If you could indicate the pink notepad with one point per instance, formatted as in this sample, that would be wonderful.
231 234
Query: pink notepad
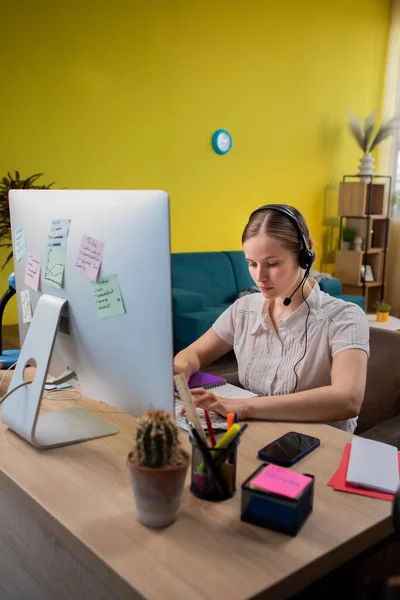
281 481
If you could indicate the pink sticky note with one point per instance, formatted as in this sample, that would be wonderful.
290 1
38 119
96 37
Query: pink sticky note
89 257
32 272
279 480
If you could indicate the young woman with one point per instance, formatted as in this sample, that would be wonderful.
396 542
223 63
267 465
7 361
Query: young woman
303 352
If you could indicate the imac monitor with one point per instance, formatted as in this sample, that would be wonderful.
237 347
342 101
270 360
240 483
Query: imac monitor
124 359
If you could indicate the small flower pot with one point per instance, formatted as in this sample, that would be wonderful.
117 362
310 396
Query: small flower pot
382 317
158 491
346 245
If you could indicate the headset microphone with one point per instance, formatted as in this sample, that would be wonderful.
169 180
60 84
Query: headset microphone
288 300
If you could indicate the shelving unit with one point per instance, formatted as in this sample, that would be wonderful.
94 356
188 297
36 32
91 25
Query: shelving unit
364 205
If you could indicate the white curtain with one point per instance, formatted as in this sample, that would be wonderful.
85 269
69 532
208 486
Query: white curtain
388 156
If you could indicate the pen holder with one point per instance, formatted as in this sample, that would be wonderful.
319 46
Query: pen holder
213 475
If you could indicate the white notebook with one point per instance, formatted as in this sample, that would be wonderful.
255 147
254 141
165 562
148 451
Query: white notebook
218 422
373 465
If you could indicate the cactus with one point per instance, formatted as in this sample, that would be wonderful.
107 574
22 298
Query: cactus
156 442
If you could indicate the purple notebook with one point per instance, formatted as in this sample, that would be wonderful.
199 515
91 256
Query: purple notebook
205 380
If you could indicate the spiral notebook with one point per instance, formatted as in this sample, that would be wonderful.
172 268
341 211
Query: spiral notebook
205 380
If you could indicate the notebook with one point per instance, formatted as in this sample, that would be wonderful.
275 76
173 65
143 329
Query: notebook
218 422
205 380
373 465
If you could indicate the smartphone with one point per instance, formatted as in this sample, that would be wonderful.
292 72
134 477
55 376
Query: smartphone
288 449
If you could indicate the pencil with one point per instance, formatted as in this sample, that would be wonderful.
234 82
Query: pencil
210 428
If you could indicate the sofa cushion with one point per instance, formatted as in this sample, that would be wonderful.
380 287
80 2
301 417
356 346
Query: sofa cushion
184 301
207 273
190 326
240 269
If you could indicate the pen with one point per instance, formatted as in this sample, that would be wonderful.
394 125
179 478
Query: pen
210 428
230 417
235 420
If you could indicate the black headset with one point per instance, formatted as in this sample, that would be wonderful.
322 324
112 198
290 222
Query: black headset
306 257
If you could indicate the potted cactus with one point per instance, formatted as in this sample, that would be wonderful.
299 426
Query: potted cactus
382 312
158 467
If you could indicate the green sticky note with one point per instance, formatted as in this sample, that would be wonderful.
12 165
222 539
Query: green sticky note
107 296
55 265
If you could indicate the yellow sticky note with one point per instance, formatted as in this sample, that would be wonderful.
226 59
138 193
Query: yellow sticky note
107 296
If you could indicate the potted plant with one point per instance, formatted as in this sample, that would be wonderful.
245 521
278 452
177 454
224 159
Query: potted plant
348 236
382 312
13 182
158 467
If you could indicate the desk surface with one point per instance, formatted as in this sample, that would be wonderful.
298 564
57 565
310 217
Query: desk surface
82 495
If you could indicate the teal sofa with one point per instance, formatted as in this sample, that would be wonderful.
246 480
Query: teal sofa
204 284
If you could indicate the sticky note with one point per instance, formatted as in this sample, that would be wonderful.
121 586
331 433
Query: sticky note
279 480
55 265
89 257
58 233
32 272
107 296
26 306
20 243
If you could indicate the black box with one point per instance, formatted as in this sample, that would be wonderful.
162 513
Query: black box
276 512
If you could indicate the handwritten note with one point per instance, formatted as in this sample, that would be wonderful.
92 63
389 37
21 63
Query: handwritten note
279 480
26 306
58 233
20 243
107 296
89 257
55 265
32 272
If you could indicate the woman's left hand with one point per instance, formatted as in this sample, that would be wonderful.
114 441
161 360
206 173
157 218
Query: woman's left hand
206 399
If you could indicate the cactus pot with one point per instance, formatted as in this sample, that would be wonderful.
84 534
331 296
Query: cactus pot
158 491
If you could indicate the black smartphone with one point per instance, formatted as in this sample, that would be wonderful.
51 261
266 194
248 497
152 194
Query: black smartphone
288 449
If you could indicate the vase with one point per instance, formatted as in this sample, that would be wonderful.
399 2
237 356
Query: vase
157 492
366 167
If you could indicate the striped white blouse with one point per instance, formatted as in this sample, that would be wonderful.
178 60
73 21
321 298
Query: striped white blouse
266 360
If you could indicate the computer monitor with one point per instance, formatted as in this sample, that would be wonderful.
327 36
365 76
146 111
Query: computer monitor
124 360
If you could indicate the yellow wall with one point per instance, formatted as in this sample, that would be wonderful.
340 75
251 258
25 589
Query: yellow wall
126 94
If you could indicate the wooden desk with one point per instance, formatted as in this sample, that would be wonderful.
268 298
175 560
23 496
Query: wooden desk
68 528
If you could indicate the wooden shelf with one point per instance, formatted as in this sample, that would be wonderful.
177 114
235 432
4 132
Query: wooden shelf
354 199
371 216
349 264
369 284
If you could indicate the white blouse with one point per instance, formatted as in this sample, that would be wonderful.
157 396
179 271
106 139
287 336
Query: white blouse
266 359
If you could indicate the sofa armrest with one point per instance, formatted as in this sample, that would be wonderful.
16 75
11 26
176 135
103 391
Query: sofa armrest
387 432
184 301
331 286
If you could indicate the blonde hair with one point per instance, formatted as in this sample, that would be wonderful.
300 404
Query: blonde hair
278 225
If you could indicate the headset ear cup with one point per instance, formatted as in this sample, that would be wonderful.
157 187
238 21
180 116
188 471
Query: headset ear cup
306 258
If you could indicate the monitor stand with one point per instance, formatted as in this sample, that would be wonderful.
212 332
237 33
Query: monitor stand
21 410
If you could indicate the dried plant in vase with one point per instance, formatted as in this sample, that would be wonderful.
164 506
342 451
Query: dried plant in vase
158 466
382 311
368 138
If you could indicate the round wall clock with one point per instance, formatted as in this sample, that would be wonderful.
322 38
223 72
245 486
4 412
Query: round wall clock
222 141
